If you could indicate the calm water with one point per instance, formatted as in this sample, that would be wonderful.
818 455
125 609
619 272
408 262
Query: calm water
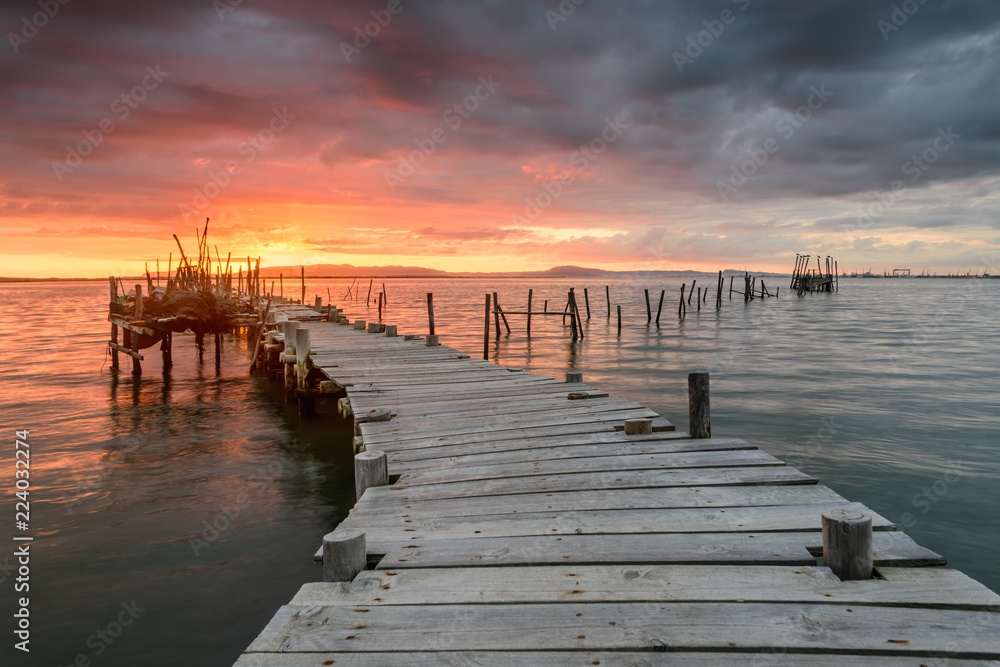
887 391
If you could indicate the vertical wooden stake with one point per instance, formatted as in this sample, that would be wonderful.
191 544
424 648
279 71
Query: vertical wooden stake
385 295
847 543
302 349
691 293
496 314
574 377
369 297
303 301
138 302
370 469
530 291
380 307
607 295
114 352
698 406
572 314
649 312
344 554
486 330
699 299
659 307
586 300
430 313
619 319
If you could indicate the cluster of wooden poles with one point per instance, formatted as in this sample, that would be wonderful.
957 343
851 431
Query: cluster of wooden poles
573 311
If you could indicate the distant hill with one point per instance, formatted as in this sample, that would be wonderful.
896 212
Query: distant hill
349 271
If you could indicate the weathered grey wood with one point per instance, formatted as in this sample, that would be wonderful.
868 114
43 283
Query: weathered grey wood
775 657
638 426
574 376
700 422
392 526
369 470
890 548
622 463
634 626
344 554
378 415
654 497
933 588
360 325
847 543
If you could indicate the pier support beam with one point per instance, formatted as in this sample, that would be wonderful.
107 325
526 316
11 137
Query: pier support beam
344 555
371 468
847 543
700 425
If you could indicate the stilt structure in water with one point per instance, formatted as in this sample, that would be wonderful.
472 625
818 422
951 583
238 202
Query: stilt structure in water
821 278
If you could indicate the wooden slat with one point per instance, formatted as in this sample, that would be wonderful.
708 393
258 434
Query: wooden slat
634 626
935 588
889 548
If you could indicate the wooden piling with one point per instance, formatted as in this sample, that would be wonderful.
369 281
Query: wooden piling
138 302
649 313
572 314
642 426
344 554
718 294
380 307
370 469
730 287
586 300
607 295
486 330
691 293
303 301
847 543
114 343
659 307
574 377
700 425
166 348
699 299
530 291
619 319
369 297
680 306
496 315
385 295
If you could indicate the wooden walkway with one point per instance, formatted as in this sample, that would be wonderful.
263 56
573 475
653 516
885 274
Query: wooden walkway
523 528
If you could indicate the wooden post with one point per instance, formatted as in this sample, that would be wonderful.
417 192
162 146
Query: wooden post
166 347
579 318
385 295
318 304
380 307
496 315
288 328
649 312
390 330
133 344
572 314
114 352
699 299
586 300
691 293
218 349
730 287
847 543
659 307
680 307
302 349
486 330
607 295
370 469
430 313
259 330
619 319
369 297
303 301
496 307
138 302
700 425
344 554
718 296
638 426
574 377
530 291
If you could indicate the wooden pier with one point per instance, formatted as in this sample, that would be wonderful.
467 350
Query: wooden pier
511 519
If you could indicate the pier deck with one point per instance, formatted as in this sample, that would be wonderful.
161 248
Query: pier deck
521 527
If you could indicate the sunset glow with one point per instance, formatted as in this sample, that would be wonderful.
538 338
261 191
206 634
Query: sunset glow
496 136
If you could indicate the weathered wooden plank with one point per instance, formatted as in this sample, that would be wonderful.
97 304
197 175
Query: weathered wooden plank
599 499
890 548
635 626
429 414
935 588
393 526
405 461
777 657
625 479
670 460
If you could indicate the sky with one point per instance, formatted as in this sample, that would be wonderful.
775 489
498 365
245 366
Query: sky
499 135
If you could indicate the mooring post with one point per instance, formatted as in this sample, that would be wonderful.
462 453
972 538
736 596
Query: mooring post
847 543
607 295
344 554
496 314
380 307
659 307
318 306
486 331
698 409
138 302
574 377
586 300
619 319
570 304
303 301
530 291
371 468
114 351
649 312
369 297
430 313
